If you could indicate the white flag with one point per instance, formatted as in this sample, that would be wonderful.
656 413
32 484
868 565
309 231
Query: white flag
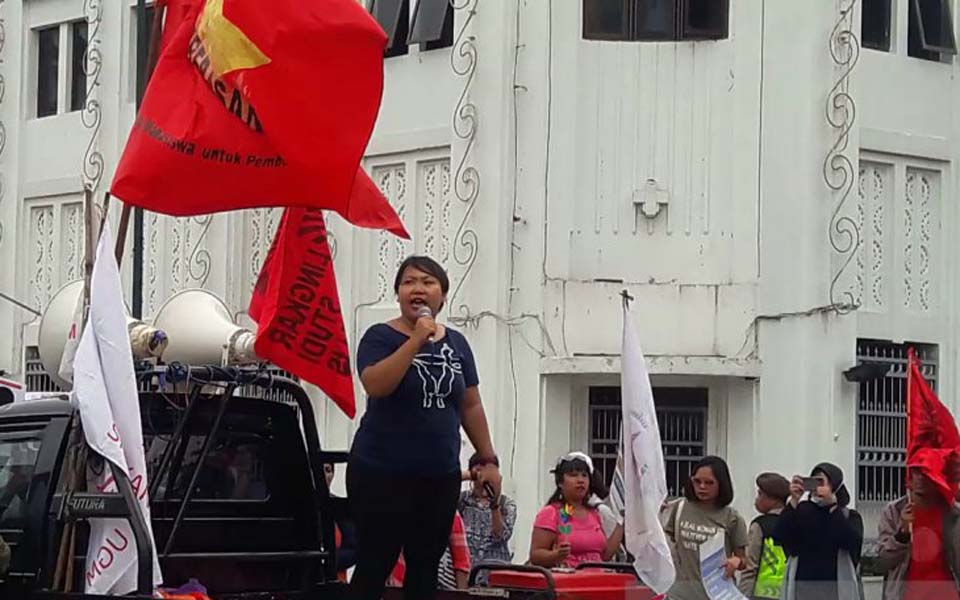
644 475
105 391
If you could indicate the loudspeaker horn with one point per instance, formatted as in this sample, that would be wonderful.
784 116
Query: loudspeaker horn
145 341
202 331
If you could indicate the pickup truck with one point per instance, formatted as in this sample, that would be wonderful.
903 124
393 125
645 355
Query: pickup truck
238 497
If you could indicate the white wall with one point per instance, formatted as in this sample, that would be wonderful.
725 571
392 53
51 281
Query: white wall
556 172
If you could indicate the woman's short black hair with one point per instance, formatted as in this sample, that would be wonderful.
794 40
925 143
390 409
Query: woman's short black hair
425 264
722 474
597 487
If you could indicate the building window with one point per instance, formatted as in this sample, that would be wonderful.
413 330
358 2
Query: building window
78 65
606 20
432 26
882 430
875 24
930 24
704 19
655 20
681 415
394 17
48 70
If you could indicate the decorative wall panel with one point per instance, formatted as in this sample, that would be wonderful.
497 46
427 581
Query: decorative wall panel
53 247
177 256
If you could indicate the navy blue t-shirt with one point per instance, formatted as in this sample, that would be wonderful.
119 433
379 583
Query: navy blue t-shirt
416 429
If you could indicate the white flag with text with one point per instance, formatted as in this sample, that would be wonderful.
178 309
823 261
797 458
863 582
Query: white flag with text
644 474
105 391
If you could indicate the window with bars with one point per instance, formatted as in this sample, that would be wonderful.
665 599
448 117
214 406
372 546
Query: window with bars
882 419
681 415
36 378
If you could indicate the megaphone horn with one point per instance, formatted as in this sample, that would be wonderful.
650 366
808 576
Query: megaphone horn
58 317
202 331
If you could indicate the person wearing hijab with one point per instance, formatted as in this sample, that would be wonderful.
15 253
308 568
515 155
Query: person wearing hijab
822 538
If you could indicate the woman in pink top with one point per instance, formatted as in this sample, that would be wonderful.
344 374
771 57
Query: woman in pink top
567 531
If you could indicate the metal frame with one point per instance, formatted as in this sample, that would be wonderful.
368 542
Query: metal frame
946 19
678 450
252 377
882 419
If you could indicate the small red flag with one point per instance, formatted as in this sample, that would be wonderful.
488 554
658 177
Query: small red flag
257 104
297 308
933 441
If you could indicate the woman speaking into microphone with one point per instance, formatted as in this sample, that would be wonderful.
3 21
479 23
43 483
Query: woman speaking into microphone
403 478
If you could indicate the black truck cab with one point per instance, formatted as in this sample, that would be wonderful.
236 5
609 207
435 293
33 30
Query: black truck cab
237 493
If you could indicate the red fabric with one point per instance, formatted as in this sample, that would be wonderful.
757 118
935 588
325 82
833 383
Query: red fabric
928 577
459 553
297 308
282 122
175 13
338 540
933 441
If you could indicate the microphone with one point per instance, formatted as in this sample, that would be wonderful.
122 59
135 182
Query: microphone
424 311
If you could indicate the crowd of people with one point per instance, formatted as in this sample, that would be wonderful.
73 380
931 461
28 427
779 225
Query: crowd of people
412 525
805 543
404 481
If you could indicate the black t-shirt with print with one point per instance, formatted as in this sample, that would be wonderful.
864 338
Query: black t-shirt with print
416 429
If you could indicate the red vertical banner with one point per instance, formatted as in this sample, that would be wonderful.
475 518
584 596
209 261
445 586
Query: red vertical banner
297 307
933 441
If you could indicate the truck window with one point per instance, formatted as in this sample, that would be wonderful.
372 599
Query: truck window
234 469
18 456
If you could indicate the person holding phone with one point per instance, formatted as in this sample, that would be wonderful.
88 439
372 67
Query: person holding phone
403 476
822 538
568 531
489 519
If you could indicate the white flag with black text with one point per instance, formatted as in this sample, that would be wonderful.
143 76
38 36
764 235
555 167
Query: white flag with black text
644 474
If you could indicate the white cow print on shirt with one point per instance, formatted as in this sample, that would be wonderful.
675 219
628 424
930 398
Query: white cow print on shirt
437 372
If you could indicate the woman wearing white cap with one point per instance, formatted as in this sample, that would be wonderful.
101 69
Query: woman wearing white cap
568 531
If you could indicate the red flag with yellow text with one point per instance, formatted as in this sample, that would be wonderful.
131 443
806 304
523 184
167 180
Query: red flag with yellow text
256 104
297 308
933 442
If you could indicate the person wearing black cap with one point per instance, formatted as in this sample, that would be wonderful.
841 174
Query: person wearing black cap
822 537
766 561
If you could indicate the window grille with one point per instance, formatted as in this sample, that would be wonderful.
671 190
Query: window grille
35 376
681 415
882 419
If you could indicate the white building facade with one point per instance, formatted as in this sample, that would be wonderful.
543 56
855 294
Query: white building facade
770 181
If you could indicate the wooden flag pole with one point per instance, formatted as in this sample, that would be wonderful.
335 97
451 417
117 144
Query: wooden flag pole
76 459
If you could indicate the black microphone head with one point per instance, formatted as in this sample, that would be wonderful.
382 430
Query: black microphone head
424 311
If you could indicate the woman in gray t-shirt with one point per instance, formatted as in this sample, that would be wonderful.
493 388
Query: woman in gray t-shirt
694 519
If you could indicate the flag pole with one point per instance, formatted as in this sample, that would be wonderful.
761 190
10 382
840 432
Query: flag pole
911 360
76 456
147 54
